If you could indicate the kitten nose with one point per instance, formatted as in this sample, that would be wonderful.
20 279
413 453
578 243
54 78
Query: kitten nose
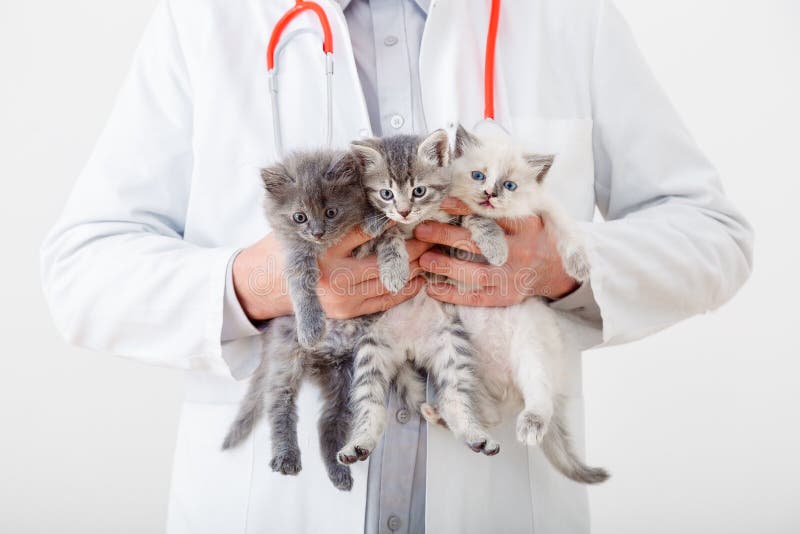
490 193
318 232
404 213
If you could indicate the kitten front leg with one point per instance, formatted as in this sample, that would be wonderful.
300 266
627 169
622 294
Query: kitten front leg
393 260
568 242
489 237
375 366
374 222
303 276
334 423
285 376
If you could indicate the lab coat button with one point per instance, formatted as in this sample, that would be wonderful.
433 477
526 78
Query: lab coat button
390 40
394 523
396 121
403 416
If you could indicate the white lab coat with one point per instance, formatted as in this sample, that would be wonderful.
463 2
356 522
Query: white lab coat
136 264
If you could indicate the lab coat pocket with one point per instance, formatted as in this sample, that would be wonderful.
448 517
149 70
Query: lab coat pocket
571 179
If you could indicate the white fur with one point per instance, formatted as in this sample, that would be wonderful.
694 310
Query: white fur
521 347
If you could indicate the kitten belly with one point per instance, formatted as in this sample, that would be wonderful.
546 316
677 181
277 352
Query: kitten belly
503 336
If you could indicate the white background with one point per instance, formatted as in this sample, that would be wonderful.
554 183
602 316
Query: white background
700 425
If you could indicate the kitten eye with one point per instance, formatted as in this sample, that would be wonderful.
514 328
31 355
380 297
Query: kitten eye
419 191
300 217
478 175
330 213
386 194
510 185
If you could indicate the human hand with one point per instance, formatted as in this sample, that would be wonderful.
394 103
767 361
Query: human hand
348 287
534 266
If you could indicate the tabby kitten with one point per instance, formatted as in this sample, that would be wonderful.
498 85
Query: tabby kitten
521 347
312 200
406 178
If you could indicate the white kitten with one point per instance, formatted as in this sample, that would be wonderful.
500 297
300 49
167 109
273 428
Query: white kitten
521 347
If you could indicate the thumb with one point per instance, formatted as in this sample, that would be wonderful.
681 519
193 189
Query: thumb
351 240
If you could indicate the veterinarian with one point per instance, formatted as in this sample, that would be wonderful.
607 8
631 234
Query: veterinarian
163 254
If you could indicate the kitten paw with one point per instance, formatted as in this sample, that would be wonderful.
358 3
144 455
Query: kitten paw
394 277
576 264
496 251
481 441
286 462
488 447
353 452
341 477
310 331
531 427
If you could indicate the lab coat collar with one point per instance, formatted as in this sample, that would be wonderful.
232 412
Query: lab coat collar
423 4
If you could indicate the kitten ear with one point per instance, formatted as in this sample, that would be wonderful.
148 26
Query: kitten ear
435 149
344 169
275 179
464 139
367 155
540 164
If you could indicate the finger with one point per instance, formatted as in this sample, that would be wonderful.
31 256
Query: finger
454 206
489 297
417 248
375 288
468 272
517 225
350 272
446 234
389 300
351 240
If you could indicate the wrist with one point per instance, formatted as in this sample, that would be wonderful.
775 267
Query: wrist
258 283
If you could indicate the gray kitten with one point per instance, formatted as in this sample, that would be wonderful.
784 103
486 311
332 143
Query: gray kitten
313 199
406 178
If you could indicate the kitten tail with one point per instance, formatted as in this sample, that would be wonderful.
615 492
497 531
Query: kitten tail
250 411
557 447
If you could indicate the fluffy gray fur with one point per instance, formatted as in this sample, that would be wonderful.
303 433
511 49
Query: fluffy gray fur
312 200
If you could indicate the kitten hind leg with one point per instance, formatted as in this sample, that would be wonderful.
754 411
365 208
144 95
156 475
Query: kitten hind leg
375 366
455 379
334 423
284 382
533 382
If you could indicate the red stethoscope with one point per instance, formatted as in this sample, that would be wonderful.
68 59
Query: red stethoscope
276 46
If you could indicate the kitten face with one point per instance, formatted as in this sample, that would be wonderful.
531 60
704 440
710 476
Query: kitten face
405 177
495 178
314 196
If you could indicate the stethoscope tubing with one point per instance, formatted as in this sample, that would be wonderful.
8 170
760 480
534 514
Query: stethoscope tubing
277 46
273 89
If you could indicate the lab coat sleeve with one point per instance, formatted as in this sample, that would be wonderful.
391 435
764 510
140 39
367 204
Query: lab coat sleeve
117 272
671 245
